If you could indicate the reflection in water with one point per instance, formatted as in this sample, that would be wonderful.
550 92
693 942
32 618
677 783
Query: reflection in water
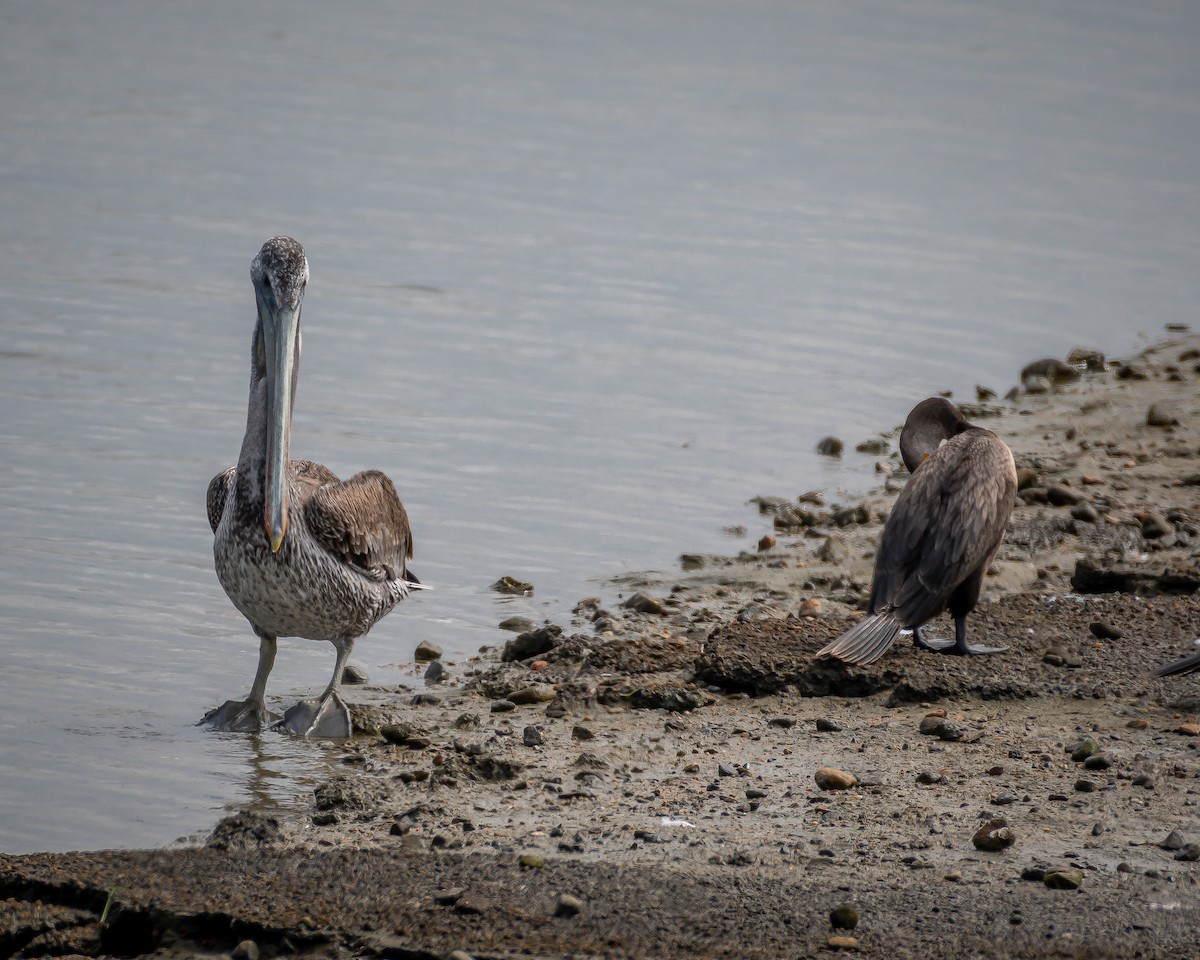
585 279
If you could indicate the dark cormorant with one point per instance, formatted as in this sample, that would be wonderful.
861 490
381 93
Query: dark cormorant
300 552
940 537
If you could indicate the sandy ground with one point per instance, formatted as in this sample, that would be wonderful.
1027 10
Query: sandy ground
643 781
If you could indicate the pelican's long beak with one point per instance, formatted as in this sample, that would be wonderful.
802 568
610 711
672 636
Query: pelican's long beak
281 330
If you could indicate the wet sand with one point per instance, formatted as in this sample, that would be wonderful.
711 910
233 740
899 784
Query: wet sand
643 781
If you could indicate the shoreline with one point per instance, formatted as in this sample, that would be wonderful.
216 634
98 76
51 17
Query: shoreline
642 780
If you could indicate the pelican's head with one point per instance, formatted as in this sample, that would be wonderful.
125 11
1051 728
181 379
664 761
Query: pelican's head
279 273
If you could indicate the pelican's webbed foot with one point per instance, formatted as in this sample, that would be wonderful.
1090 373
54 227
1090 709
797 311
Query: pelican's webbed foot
239 716
326 716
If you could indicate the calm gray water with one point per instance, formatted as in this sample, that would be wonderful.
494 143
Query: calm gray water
585 277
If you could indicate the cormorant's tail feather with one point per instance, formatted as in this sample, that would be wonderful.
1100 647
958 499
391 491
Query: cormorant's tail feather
866 641
1186 665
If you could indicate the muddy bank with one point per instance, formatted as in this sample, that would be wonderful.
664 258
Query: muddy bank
643 781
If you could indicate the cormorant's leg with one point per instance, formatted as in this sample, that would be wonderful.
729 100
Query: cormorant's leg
937 645
249 715
327 715
961 647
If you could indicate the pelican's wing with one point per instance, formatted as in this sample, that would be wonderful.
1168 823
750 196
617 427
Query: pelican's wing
218 492
362 521
944 526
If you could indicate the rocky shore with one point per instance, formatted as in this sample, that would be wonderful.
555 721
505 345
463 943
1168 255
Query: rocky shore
674 775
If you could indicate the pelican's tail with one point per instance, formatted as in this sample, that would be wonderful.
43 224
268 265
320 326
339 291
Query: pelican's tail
866 641
1186 665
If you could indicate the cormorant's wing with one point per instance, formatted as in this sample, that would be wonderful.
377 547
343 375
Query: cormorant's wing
944 525
218 492
1186 665
362 521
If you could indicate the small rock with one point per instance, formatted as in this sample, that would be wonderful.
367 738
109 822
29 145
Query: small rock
427 651
1104 631
785 723
532 643
246 950
1060 496
1160 416
1173 841
517 624
953 876
842 943
568 906
1052 370
994 835
1190 729
1086 512
1138 723
1155 527
941 728
1144 781
830 447
1097 761
830 779
531 861
829 725
725 770
435 672
1132 371
1092 359
832 550
1026 478
513 587
353 674
534 693
580 732
1034 874
503 706
810 608
765 543
644 603
876 447
532 736
448 898
1083 749
1190 853
1063 879
844 917
1084 786
984 394
929 778
1035 384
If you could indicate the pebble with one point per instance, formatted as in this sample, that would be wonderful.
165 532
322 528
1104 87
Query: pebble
1034 874
531 861
580 732
765 542
513 587
830 779
1155 527
568 906
435 672
1084 786
1085 512
1063 879
1138 723
828 725
842 943
1060 496
785 723
844 917
929 778
1190 853
1173 841
517 624
810 607
725 770
427 651
1026 477
644 603
534 693
1092 359
1035 384
1188 729
1097 761
1104 631
994 835
1083 749
1144 781
503 706
532 736
1051 369
830 447
941 728
876 447
1160 416
832 550
354 674
246 950
532 643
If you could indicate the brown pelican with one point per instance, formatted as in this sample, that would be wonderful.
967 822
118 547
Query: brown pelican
940 537
300 552
1186 665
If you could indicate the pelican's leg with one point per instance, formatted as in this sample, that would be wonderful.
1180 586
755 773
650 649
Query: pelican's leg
327 715
249 715
961 647
937 645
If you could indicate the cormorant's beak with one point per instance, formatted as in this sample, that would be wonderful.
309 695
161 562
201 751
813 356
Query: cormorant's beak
281 334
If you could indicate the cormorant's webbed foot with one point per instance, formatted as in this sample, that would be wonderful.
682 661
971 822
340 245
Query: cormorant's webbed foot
326 716
239 716
937 645
958 646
